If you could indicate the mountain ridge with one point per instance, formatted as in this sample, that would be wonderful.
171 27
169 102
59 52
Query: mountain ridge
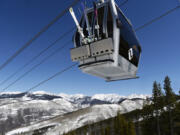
29 108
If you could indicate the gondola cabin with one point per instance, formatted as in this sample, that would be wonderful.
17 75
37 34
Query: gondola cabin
105 44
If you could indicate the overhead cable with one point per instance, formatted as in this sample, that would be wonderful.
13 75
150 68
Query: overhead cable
42 82
53 76
37 56
27 44
157 18
35 66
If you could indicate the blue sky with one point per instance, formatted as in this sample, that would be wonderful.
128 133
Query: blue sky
21 19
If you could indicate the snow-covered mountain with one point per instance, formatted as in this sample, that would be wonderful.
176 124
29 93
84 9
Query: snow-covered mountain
73 120
19 109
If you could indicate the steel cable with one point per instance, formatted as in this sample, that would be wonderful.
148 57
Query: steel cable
37 35
37 56
157 18
35 66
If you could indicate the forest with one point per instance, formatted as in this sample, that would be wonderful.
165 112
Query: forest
160 115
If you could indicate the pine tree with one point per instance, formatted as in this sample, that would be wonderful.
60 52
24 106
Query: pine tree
157 95
137 116
117 123
170 100
169 94
107 130
102 131
123 126
131 128
161 103
85 130
147 111
177 118
148 119
155 92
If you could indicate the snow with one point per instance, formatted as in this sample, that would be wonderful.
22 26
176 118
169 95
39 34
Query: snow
72 98
129 105
138 96
55 107
26 129
10 93
24 98
90 115
67 105
113 98
41 93
81 117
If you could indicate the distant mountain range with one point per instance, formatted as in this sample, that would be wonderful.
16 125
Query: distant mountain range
27 112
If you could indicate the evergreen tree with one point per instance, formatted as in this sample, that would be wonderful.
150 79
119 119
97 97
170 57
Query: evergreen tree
147 111
155 92
131 129
117 124
169 94
136 114
157 104
102 131
161 103
170 100
123 126
107 130
177 118
85 130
